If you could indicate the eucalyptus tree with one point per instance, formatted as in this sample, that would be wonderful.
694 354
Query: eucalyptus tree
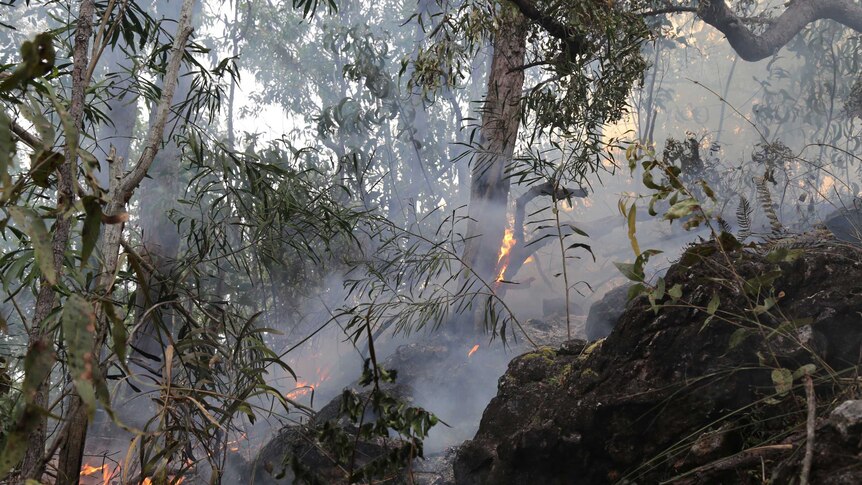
83 267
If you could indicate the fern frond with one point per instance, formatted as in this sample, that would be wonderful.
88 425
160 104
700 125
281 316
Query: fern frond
765 200
743 218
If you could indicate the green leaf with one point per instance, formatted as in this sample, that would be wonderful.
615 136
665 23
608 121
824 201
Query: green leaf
681 209
782 255
754 285
767 304
90 231
79 328
805 370
34 227
635 290
632 219
44 163
119 334
14 444
69 129
659 289
739 336
713 304
7 149
728 242
629 271
675 292
783 380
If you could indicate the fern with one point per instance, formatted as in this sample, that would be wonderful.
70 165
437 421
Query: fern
743 218
765 200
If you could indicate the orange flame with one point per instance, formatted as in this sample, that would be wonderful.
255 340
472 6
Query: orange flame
149 481
506 247
304 387
108 474
234 445
91 470
473 350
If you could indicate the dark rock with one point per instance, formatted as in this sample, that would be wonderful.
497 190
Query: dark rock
436 374
435 469
847 419
557 306
272 464
605 313
674 397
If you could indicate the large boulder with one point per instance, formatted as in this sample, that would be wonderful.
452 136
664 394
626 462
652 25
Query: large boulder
605 313
692 393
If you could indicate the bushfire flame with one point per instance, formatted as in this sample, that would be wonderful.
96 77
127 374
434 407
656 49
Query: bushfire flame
304 387
235 444
108 474
473 350
91 470
505 250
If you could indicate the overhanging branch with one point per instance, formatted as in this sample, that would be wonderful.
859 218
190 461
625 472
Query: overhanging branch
575 41
754 47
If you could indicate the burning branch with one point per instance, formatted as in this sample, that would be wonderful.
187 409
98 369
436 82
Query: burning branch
515 251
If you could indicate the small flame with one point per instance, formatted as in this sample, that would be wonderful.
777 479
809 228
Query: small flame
304 387
234 445
506 247
108 474
473 350
91 470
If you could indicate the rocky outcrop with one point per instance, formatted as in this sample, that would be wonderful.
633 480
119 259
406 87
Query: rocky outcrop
695 392
605 313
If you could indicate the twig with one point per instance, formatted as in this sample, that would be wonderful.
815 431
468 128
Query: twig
809 431
744 457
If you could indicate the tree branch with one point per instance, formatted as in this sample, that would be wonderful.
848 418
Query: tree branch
156 133
28 138
575 41
753 47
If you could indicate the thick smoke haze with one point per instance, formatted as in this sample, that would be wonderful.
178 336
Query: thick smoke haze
314 180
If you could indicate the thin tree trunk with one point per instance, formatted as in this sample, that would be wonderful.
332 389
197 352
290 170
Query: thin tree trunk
122 189
34 463
489 185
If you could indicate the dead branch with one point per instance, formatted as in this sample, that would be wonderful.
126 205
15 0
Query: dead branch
743 458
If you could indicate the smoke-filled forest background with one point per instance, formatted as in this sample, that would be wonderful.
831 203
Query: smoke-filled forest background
217 215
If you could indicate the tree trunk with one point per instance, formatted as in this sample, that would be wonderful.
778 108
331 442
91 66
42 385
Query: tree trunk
122 187
489 185
160 240
34 464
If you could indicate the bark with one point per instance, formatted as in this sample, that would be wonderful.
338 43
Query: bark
34 464
121 190
754 47
750 46
160 242
489 185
